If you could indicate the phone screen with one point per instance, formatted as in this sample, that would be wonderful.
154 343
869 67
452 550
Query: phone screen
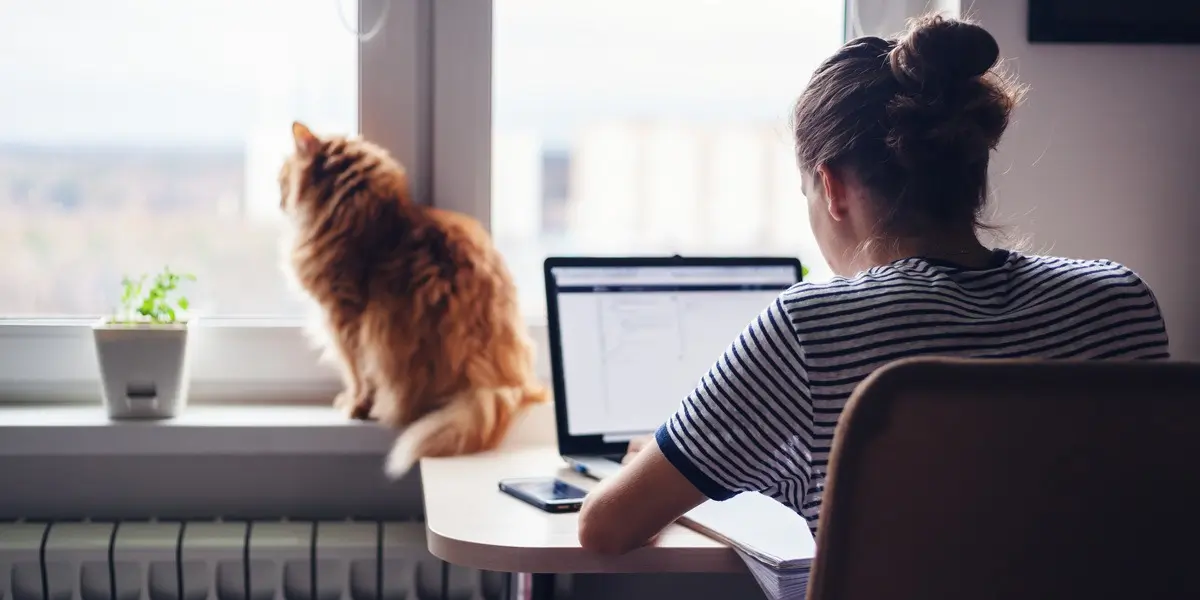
550 490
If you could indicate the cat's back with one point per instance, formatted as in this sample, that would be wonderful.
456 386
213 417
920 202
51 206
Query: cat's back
461 231
467 244
453 257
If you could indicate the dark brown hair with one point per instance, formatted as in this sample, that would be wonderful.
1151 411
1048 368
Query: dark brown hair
913 119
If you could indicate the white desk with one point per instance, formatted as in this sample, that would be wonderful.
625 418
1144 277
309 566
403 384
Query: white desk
472 523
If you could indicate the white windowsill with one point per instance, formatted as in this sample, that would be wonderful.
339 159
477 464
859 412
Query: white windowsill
76 430
47 430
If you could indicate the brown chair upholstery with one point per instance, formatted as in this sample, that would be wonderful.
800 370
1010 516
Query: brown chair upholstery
961 479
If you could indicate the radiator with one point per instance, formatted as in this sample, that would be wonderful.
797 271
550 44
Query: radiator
215 560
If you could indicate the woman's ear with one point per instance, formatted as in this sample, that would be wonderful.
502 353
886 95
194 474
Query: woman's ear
834 188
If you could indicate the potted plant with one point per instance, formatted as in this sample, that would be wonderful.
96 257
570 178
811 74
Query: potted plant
142 350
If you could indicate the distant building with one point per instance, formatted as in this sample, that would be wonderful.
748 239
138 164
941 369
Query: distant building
604 185
266 147
517 202
556 190
652 186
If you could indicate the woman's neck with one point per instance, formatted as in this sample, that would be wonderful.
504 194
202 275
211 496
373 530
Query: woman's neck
961 249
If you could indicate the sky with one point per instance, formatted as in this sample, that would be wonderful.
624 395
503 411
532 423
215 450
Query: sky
206 72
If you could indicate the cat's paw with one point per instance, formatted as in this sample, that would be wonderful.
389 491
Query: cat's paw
355 406
361 411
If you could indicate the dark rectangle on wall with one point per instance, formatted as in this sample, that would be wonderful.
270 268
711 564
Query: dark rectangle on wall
1114 21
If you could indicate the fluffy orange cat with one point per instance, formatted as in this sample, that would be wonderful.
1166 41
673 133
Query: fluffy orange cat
416 305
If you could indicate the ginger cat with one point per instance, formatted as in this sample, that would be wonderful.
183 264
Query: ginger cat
417 307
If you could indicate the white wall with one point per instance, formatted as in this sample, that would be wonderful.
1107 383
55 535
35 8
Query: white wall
1103 160
885 18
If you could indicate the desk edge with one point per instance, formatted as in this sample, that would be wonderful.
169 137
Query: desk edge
510 559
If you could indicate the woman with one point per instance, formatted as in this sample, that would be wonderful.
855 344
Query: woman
892 139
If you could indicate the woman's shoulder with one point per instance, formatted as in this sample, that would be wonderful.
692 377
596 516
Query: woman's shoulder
863 293
917 278
1101 272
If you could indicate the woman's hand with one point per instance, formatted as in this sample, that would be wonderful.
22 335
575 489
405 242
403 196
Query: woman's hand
635 446
633 506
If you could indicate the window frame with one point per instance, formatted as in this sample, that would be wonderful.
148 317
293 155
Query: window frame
425 54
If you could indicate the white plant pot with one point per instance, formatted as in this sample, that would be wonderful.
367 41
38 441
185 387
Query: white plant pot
143 369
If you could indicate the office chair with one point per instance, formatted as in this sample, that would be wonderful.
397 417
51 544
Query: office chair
961 479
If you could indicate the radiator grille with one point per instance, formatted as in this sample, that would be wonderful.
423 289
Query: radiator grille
214 560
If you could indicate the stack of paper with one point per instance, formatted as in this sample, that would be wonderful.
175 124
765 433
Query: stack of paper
775 542
778 582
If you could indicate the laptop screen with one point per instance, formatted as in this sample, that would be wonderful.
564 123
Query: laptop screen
635 340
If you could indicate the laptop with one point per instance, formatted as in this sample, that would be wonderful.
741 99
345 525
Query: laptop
631 337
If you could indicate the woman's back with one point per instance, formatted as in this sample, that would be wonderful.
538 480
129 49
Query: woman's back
775 397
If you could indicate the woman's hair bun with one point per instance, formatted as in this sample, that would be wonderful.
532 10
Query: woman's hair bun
950 102
938 52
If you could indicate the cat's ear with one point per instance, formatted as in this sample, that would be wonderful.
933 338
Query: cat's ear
306 143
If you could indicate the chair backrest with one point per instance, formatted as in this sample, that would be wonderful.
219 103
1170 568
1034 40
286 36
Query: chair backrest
961 479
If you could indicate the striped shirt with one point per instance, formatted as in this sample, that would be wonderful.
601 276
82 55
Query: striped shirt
762 419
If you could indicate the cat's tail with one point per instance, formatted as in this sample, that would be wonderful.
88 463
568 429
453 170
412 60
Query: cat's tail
471 422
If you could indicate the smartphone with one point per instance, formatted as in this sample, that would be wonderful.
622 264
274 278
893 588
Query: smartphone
547 493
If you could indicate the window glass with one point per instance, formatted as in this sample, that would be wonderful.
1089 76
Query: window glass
136 134
651 127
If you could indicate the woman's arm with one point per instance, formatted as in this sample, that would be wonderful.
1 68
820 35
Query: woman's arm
636 445
631 508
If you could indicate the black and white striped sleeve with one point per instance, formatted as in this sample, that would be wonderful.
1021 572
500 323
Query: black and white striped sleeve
748 424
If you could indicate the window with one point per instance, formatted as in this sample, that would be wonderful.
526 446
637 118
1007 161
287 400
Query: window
627 126
136 134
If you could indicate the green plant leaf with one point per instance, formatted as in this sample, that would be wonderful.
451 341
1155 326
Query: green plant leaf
149 298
